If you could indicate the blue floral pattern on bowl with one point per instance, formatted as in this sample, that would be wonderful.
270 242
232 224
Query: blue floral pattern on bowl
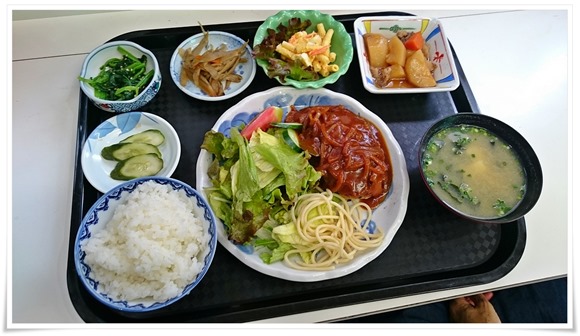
124 123
239 120
103 208
284 100
387 217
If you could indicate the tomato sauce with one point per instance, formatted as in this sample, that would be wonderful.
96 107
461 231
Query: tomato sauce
348 150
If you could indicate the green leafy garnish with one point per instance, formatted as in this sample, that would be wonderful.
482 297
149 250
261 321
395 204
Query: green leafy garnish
434 146
460 193
291 69
501 206
460 143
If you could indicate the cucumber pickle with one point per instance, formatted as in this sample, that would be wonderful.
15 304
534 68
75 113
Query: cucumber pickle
137 166
137 155
123 151
152 136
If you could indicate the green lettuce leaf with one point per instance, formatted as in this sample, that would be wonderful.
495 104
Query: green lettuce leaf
213 143
267 172
248 218
292 164
276 254
245 177
290 69
287 234
253 184
220 204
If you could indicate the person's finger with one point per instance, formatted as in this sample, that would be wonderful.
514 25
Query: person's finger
478 300
461 303
473 309
485 309
488 295
459 310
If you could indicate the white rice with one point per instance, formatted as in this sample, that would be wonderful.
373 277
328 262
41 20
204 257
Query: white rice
152 247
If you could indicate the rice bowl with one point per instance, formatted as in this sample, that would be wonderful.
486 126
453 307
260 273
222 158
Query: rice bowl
155 246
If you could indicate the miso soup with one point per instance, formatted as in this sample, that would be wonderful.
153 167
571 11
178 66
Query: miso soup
474 171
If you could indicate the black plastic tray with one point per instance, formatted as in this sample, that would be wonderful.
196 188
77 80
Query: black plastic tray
433 249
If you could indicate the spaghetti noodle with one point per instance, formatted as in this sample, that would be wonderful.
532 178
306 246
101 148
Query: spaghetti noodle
332 231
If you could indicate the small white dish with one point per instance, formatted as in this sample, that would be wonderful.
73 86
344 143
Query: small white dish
97 170
445 74
388 215
247 69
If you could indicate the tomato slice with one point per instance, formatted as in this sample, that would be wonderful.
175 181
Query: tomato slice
262 121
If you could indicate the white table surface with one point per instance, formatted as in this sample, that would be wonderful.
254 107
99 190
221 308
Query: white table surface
516 63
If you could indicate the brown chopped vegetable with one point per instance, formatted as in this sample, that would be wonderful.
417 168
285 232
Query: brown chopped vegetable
213 70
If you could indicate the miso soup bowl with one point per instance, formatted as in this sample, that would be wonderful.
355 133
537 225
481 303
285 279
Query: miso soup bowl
521 148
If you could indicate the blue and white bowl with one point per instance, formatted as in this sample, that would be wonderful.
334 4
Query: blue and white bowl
388 216
440 52
216 38
98 57
102 212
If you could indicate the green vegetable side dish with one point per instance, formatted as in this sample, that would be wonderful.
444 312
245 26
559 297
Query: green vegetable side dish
121 78
137 155
473 171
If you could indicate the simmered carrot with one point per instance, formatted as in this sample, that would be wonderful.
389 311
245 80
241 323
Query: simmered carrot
415 42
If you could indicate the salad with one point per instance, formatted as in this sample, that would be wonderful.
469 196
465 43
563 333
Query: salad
291 52
302 191
256 174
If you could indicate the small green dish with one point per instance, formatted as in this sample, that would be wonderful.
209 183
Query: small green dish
341 43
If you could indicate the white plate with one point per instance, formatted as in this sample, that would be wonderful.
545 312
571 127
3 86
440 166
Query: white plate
247 70
388 215
97 170
440 53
